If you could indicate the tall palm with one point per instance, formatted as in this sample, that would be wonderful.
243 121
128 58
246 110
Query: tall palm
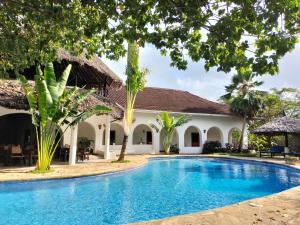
168 125
243 98
135 82
52 105
241 84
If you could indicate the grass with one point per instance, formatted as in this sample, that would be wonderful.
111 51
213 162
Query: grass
123 161
242 154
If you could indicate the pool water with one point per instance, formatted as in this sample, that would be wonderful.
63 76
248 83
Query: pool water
162 188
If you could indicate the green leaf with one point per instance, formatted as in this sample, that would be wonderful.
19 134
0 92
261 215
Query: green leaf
90 112
62 81
44 99
50 79
28 92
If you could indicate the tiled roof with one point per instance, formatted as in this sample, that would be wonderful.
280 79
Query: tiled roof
162 99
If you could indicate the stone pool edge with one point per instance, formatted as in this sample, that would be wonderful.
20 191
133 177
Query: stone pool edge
278 208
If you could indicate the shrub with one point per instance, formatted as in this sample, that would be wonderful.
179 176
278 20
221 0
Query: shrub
211 147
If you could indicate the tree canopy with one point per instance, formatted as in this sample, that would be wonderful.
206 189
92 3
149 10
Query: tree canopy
225 34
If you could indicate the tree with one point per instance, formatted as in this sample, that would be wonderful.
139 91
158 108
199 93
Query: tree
168 125
243 98
225 34
31 32
53 106
135 82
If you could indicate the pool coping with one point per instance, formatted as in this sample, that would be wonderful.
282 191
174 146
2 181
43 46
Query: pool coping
168 220
177 220
147 159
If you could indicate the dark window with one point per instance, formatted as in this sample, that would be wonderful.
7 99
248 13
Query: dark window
112 138
149 138
195 139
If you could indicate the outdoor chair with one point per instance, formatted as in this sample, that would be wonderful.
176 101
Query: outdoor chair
16 154
31 154
275 150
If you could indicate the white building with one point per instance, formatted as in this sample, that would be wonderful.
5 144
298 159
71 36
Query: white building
209 121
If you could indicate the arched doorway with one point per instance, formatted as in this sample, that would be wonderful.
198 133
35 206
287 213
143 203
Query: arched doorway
17 128
116 134
142 134
86 135
175 142
234 137
192 137
215 134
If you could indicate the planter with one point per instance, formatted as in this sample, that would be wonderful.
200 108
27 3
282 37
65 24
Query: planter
291 160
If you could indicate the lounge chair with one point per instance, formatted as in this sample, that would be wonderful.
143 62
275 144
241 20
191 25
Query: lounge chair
275 150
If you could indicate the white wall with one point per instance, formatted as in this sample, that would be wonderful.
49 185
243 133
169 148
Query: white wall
201 122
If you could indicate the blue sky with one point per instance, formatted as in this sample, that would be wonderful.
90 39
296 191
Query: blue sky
196 80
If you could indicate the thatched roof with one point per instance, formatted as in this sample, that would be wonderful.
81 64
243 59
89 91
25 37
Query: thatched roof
85 72
91 70
13 97
279 126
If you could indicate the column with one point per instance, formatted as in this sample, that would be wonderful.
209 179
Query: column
203 138
107 138
73 145
245 138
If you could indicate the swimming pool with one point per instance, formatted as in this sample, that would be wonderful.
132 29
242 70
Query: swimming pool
162 188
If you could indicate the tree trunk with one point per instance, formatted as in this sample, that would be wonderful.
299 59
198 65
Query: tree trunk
242 134
123 149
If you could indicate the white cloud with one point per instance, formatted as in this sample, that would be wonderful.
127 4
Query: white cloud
196 80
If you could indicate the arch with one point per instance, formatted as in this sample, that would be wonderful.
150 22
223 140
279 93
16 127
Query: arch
18 129
192 137
142 134
116 134
86 131
175 141
234 136
215 134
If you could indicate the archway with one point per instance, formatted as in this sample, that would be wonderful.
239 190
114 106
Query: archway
142 134
116 134
86 135
175 142
192 137
234 137
17 128
215 134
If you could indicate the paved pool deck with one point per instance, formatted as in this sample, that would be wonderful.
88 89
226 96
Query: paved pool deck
278 209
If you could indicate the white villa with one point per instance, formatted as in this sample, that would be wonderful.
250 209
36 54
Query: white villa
209 121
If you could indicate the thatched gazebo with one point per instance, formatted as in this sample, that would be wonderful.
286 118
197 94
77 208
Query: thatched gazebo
281 126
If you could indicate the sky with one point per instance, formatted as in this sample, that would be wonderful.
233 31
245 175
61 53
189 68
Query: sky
195 79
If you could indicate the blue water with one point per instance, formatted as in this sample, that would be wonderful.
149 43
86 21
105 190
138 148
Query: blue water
162 188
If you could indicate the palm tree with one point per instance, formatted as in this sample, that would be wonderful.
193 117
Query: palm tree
135 82
243 98
52 105
168 125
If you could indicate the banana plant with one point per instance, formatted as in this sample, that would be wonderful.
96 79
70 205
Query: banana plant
135 82
53 106
168 125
